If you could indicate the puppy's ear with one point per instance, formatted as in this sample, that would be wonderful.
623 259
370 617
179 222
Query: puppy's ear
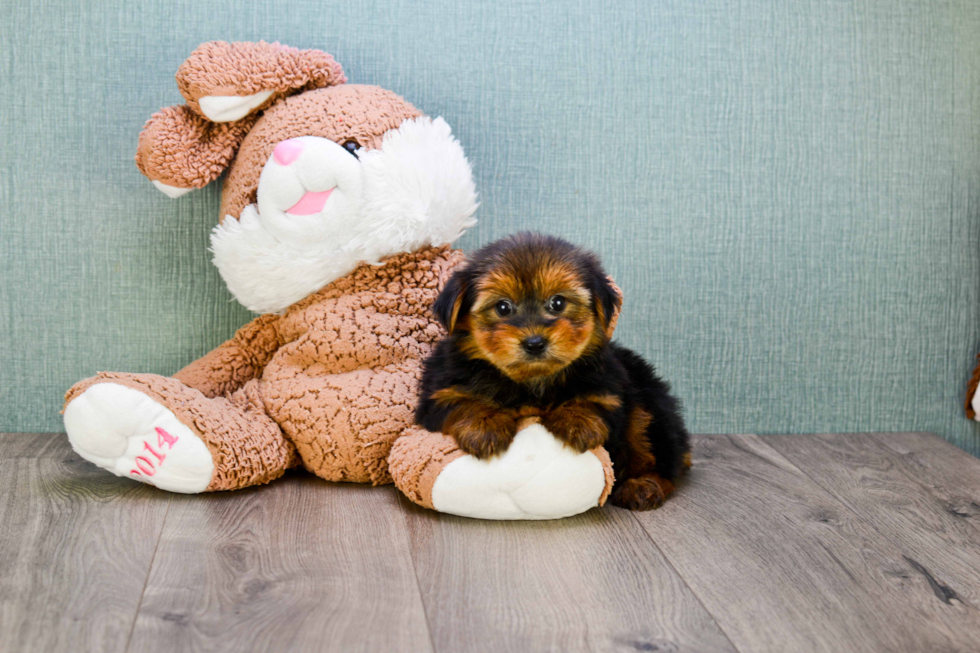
607 300
449 305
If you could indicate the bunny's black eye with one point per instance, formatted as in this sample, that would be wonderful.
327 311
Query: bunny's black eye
503 308
351 146
556 304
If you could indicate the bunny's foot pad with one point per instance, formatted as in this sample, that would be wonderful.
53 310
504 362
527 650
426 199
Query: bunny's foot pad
126 432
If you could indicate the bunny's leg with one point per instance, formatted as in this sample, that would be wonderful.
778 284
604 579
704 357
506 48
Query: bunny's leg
344 424
159 431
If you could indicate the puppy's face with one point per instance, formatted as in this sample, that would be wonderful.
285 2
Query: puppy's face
531 307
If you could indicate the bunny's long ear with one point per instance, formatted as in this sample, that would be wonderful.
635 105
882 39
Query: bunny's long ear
226 85
224 82
180 151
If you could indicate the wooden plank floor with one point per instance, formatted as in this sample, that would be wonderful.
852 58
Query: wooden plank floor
867 542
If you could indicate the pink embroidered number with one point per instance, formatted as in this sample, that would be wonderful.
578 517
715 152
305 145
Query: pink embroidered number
147 466
164 438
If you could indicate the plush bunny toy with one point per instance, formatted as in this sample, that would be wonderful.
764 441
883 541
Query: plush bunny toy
337 212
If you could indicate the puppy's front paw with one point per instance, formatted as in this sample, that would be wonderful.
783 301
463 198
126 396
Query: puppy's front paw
578 425
481 432
486 444
642 493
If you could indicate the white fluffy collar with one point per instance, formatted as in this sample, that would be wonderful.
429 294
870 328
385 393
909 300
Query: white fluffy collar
417 190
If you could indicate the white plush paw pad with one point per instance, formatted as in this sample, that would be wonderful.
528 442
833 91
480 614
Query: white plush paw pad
228 108
171 191
129 434
536 478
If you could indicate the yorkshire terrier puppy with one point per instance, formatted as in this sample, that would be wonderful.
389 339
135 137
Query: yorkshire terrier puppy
528 319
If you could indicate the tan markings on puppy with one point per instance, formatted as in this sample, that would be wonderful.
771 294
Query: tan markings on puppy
642 493
454 316
609 402
462 323
500 343
641 461
600 313
557 278
526 412
600 332
637 432
579 423
570 335
469 346
498 283
481 426
686 460
446 396
481 430
454 394
600 336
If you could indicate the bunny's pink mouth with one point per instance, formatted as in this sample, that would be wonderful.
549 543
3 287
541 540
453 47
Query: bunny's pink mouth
310 203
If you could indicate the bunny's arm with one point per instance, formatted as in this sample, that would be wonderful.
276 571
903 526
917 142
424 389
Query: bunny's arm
237 361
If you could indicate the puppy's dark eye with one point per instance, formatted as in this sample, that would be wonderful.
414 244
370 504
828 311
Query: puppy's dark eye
503 308
556 304
351 146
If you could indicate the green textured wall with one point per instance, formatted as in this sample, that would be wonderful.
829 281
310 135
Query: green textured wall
787 191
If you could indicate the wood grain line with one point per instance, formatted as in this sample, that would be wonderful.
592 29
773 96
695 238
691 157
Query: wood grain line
947 472
146 580
300 564
590 582
33 446
783 565
691 589
75 547
876 485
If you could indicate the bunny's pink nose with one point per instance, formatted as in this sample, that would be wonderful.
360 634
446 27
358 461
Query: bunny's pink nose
287 151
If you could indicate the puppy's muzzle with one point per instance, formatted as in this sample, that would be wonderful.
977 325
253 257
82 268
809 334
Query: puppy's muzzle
534 345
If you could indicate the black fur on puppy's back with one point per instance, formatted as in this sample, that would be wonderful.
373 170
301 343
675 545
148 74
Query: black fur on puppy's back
668 437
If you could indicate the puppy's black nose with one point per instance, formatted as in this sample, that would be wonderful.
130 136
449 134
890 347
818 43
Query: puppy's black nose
534 345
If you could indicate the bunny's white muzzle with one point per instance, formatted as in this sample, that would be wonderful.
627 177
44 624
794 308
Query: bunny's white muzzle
322 211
